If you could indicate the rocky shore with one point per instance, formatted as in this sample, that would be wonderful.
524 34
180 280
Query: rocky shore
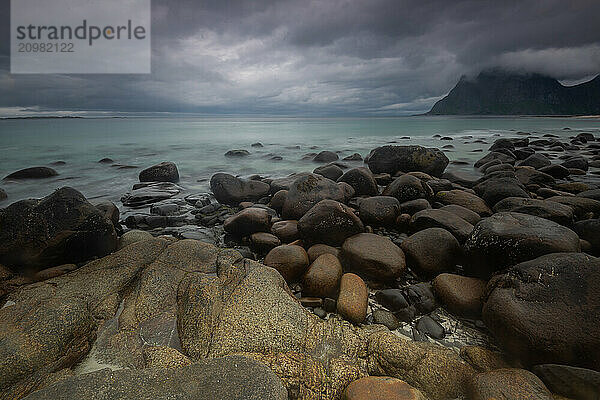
382 278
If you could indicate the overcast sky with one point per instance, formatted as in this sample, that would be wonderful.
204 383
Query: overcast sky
320 57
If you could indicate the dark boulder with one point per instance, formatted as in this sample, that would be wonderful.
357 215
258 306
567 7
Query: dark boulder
61 228
536 161
163 172
431 251
237 153
379 210
32 173
392 159
507 238
556 171
581 205
577 162
326 156
329 222
406 188
546 310
589 229
248 221
307 191
551 210
329 171
231 190
571 382
361 180
496 189
494 155
435 218
373 257
464 199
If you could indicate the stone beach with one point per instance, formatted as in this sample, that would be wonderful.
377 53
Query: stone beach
375 276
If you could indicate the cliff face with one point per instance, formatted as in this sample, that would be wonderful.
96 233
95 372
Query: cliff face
502 93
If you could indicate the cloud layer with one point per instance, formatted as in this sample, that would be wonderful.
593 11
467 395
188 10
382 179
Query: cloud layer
322 57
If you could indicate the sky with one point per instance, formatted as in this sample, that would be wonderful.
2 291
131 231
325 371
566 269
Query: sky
318 57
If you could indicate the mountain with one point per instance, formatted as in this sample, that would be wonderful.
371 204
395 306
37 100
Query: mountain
495 92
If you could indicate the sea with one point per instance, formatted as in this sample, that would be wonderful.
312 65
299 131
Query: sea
73 146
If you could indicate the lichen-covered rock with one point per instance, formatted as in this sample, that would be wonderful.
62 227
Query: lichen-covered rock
391 159
361 180
379 210
407 187
289 260
307 191
381 388
163 172
329 222
508 384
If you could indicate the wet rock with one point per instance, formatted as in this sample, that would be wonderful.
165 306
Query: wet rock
326 156
571 382
379 210
231 377
163 172
593 194
147 194
231 190
507 238
3 195
329 171
494 155
406 188
353 157
307 191
577 162
430 327
509 384
329 222
263 242
483 359
461 295
286 231
353 298
589 229
257 144
556 171
462 212
392 299
553 211
386 319
248 221
414 206
32 173
361 180
435 218
381 388
464 199
322 277
110 211
495 189
543 310
431 251
237 153
373 257
581 205
315 251
106 160
290 261
574 187
529 176
61 228
391 159
536 161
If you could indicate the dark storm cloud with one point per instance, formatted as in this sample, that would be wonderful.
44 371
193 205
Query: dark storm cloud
380 57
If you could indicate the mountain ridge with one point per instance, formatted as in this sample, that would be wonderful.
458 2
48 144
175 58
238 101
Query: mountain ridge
496 92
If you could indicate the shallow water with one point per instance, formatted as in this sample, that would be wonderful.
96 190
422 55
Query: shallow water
198 145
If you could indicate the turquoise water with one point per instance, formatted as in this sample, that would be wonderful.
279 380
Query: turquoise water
197 145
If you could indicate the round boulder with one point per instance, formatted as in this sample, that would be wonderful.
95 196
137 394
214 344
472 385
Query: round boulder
507 238
248 221
509 384
464 199
381 388
286 231
290 261
431 251
361 180
317 250
163 172
353 298
329 222
379 210
391 159
461 295
373 257
406 188
307 191
231 190
32 173
322 278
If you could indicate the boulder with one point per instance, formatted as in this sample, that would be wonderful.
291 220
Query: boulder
61 228
545 310
237 153
322 278
571 382
373 257
462 212
381 388
414 206
329 171
580 205
431 251
392 159
247 309
529 176
508 384
353 298
495 189
231 190
317 250
589 229
494 155
353 157
286 231
326 156
290 261
278 199
3 195
329 222
435 218
32 173
392 299
507 238
230 378
110 211
361 180
248 221
144 194
262 242
133 236
163 172
556 171
307 191
559 213
379 210
406 188
464 199
536 161
460 295
577 162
